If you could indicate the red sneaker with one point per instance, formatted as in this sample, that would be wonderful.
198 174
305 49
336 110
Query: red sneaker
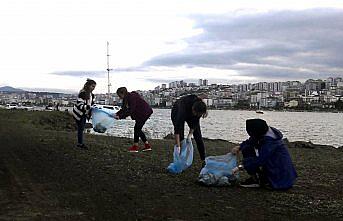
133 149
147 147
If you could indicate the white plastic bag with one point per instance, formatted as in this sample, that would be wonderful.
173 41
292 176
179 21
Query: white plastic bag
102 120
183 160
218 170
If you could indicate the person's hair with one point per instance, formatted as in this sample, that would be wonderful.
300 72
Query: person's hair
88 83
200 108
122 90
85 91
256 128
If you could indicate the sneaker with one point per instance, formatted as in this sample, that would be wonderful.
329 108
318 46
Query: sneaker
133 149
82 146
147 147
250 183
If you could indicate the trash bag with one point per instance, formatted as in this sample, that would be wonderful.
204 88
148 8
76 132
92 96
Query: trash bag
102 120
184 160
218 171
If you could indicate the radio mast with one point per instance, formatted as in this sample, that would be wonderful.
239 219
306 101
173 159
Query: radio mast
108 75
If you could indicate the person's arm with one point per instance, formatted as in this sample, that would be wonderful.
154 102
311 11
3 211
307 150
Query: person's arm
189 136
235 150
265 152
195 122
237 168
177 142
180 120
179 123
123 112
81 103
133 104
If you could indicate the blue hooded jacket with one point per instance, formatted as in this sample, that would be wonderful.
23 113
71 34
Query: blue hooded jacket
273 157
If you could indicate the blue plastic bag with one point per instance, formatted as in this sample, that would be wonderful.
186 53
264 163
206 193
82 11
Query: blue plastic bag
183 160
218 170
102 120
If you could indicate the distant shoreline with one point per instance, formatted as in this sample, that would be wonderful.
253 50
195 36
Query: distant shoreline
274 110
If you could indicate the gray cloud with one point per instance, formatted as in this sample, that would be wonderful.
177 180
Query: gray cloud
279 45
81 73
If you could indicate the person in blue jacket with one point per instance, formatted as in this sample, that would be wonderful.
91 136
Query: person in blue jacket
265 157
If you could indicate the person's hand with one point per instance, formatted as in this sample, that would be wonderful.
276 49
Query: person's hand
178 149
189 136
235 170
235 150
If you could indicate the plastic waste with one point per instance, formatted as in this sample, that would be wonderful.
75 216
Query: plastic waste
218 171
182 160
102 120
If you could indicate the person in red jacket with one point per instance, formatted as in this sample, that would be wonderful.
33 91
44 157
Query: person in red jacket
140 111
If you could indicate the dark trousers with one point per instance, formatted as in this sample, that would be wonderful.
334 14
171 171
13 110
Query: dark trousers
138 133
196 134
80 128
249 152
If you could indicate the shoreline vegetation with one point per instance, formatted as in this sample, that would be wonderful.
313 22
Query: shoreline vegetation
44 177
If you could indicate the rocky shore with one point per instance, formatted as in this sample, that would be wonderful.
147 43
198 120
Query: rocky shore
44 177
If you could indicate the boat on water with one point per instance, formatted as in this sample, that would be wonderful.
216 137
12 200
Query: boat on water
259 112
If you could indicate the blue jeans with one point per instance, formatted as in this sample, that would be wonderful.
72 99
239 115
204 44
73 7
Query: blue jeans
80 128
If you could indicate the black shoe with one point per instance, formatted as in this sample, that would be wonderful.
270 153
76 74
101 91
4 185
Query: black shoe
82 146
250 183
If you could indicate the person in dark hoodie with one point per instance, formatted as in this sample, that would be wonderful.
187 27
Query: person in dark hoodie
189 109
140 111
82 110
265 157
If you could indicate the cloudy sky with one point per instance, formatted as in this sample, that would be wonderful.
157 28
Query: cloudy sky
56 45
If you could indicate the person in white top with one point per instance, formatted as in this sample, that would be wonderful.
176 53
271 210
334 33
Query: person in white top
82 108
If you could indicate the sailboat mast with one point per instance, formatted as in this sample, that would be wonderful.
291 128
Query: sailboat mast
108 75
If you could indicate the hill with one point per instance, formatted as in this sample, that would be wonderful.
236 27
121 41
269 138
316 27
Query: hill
10 89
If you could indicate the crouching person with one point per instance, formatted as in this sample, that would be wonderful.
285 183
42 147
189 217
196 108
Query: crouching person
265 157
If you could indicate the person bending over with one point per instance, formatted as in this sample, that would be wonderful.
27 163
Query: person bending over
140 111
189 109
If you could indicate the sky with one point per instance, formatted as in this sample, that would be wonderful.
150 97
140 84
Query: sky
55 45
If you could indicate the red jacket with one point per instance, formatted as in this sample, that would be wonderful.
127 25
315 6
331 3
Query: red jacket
136 107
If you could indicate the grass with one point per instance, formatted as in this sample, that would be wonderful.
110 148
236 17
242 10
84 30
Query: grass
44 177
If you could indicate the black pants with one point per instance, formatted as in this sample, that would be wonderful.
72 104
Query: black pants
80 128
138 133
196 134
249 152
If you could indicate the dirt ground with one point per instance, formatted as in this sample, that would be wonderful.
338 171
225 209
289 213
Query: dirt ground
44 177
